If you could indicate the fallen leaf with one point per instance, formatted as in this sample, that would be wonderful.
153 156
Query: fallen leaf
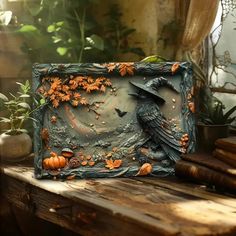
110 164
70 177
145 169
108 83
111 67
83 101
126 68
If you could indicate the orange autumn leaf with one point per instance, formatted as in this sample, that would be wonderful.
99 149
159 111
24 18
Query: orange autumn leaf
98 81
56 82
90 80
52 97
70 89
108 83
175 67
103 89
65 97
91 87
126 68
111 67
75 103
110 164
70 177
101 79
50 91
73 84
83 101
76 96
55 103
65 88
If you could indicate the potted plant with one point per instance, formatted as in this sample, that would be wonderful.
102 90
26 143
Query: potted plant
213 122
15 143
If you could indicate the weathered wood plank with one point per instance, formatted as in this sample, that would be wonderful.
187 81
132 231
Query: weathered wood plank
80 217
192 189
141 206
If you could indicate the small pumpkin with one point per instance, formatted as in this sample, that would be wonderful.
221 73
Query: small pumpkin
54 162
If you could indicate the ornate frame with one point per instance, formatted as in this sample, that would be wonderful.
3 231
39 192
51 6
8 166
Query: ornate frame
143 69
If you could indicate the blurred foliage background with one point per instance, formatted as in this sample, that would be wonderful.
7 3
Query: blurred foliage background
68 31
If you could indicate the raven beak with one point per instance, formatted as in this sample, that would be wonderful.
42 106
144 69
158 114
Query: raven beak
133 95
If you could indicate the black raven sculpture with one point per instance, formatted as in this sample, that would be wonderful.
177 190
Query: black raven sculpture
172 141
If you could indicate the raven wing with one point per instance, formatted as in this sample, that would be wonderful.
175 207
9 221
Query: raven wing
159 128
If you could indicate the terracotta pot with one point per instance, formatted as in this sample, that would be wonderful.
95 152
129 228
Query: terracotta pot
208 134
15 147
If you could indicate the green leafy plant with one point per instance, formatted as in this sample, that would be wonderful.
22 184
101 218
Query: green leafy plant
117 33
68 31
18 108
212 112
64 28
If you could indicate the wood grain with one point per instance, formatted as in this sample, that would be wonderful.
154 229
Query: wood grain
228 144
139 206
211 162
225 156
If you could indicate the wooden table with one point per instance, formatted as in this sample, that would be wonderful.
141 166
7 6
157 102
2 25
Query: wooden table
138 206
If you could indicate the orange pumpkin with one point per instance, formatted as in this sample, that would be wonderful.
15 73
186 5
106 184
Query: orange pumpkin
54 162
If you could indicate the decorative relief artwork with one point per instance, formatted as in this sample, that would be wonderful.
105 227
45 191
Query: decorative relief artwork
113 119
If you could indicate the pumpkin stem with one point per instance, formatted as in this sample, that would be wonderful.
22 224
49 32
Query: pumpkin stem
53 154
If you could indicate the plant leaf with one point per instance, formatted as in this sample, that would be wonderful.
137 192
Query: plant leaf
31 118
229 112
230 120
62 51
22 130
3 97
5 120
51 28
96 42
27 29
24 96
24 105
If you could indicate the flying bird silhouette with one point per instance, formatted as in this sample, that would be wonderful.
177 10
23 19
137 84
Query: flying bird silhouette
120 113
